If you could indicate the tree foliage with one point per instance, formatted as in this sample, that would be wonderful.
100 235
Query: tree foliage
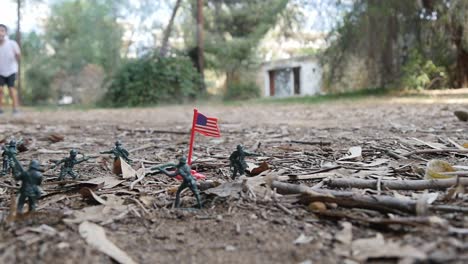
392 38
233 30
82 32
149 81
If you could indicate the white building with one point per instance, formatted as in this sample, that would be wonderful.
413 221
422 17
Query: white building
288 77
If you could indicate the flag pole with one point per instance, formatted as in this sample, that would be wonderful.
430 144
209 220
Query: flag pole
192 136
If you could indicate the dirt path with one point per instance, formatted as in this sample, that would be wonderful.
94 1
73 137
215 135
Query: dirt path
141 222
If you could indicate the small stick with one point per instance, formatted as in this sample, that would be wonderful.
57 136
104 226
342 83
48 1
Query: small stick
311 142
395 184
425 151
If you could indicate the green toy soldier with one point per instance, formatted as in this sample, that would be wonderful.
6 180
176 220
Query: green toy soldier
237 161
118 151
30 180
68 164
8 153
182 169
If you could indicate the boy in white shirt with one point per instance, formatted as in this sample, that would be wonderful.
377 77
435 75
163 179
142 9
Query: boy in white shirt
9 57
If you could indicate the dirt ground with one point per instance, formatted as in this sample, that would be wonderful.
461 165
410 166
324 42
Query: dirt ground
292 139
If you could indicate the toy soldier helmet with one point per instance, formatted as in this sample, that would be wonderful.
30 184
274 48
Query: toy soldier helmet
12 143
239 147
73 152
118 143
183 160
34 165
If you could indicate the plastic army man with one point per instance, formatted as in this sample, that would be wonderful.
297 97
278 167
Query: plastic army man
30 181
237 161
8 153
118 151
182 169
68 164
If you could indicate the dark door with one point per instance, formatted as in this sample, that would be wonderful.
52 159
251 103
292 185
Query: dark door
297 80
272 82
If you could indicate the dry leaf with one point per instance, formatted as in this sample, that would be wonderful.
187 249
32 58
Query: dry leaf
108 182
127 171
117 167
302 239
146 199
226 189
54 137
263 167
96 237
353 153
141 173
377 247
345 235
89 194
435 170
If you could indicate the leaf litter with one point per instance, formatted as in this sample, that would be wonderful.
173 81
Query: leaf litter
330 176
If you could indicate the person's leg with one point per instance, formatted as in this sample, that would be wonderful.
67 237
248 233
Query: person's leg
2 83
14 97
13 92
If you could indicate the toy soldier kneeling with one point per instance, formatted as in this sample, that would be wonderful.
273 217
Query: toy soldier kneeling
118 151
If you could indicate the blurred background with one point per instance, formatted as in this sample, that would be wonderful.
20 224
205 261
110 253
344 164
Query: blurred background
138 53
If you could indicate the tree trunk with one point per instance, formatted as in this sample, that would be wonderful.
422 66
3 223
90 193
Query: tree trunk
200 44
167 32
388 55
18 40
232 77
461 74
462 68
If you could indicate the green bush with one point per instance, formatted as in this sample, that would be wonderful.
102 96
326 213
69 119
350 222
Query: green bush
422 74
242 91
37 86
149 81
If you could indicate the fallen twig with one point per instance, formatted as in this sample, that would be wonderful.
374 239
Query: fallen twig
322 143
406 221
425 151
395 184
381 203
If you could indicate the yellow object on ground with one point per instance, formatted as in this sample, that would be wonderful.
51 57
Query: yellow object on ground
435 170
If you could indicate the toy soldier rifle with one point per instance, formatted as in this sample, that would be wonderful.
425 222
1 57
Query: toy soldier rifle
157 169
19 167
58 162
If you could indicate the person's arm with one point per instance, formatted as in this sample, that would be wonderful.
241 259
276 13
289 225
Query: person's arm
17 51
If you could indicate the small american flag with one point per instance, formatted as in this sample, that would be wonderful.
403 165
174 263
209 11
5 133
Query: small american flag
207 126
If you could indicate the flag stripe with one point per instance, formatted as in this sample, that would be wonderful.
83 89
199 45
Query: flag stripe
206 131
207 126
